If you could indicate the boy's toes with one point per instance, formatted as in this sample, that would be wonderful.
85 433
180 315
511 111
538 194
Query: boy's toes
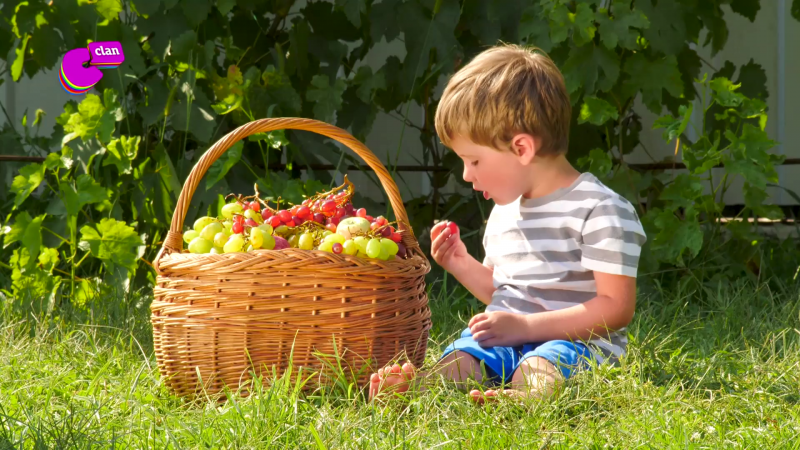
483 397
391 378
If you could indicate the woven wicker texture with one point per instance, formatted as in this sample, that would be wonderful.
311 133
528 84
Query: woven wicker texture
218 317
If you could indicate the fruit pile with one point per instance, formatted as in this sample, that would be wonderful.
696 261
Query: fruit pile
327 221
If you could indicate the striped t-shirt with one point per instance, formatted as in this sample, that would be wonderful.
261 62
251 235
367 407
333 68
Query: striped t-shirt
544 251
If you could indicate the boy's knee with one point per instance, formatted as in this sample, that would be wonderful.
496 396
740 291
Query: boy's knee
537 373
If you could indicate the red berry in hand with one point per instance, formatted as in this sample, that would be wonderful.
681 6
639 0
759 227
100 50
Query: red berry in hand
304 212
251 223
362 212
237 227
319 218
453 228
337 248
285 215
275 221
266 214
329 206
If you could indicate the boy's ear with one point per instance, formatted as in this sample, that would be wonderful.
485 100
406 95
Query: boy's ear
525 147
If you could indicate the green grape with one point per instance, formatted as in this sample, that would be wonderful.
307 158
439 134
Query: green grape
373 248
281 230
384 255
250 214
217 250
228 224
234 244
256 237
326 246
249 248
390 246
211 230
221 238
333 237
306 241
201 223
269 242
200 245
230 209
349 247
361 254
292 240
190 235
266 228
361 243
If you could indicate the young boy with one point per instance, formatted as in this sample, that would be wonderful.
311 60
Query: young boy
562 249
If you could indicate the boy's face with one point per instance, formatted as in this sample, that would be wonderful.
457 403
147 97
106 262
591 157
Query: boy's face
500 175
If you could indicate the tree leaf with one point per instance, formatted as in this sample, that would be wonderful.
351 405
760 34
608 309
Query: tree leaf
120 152
597 111
113 242
592 68
623 28
87 191
327 97
651 78
223 164
29 178
353 10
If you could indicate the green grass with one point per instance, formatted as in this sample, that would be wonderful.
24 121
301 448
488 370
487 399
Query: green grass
712 369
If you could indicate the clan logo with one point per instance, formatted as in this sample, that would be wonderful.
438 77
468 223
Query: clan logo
80 68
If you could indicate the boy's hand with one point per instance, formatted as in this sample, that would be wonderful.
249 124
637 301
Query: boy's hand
499 328
447 248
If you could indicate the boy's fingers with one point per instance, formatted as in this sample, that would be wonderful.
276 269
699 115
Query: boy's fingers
475 319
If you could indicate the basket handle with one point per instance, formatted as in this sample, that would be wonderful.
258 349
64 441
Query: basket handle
173 242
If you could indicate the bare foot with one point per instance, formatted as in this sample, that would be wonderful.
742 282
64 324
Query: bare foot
391 379
493 395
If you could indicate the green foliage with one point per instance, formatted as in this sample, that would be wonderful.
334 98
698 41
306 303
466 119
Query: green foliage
99 206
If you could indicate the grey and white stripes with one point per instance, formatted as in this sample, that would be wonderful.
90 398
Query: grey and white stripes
545 251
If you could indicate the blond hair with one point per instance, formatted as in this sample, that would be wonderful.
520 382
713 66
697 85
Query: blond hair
503 91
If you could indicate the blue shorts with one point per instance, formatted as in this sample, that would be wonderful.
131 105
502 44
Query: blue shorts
502 362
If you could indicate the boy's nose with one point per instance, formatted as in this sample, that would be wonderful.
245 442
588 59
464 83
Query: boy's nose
467 174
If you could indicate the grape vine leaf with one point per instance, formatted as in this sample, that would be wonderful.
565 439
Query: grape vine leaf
164 28
796 9
48 258
622 27
753 79
724 92
598 162
200 120
29 178
146 7
592 68
534 29
746 8
327 97
92 119
196 11
667 32
113 242
183 44
682 191
674 126
19 58
676 236
368 83
652 77
45 45
223 164
120 152
597 111
383 20
754 199
353 10
583 24
109 9
423 32
225 6
87 191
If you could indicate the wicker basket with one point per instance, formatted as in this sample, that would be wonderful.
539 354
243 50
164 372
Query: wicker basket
219 318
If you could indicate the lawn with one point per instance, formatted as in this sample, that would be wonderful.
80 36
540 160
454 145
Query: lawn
711 369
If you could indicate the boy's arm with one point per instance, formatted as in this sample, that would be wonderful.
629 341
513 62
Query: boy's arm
477 278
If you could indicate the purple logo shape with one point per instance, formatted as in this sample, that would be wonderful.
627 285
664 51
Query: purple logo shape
106 54
80 68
